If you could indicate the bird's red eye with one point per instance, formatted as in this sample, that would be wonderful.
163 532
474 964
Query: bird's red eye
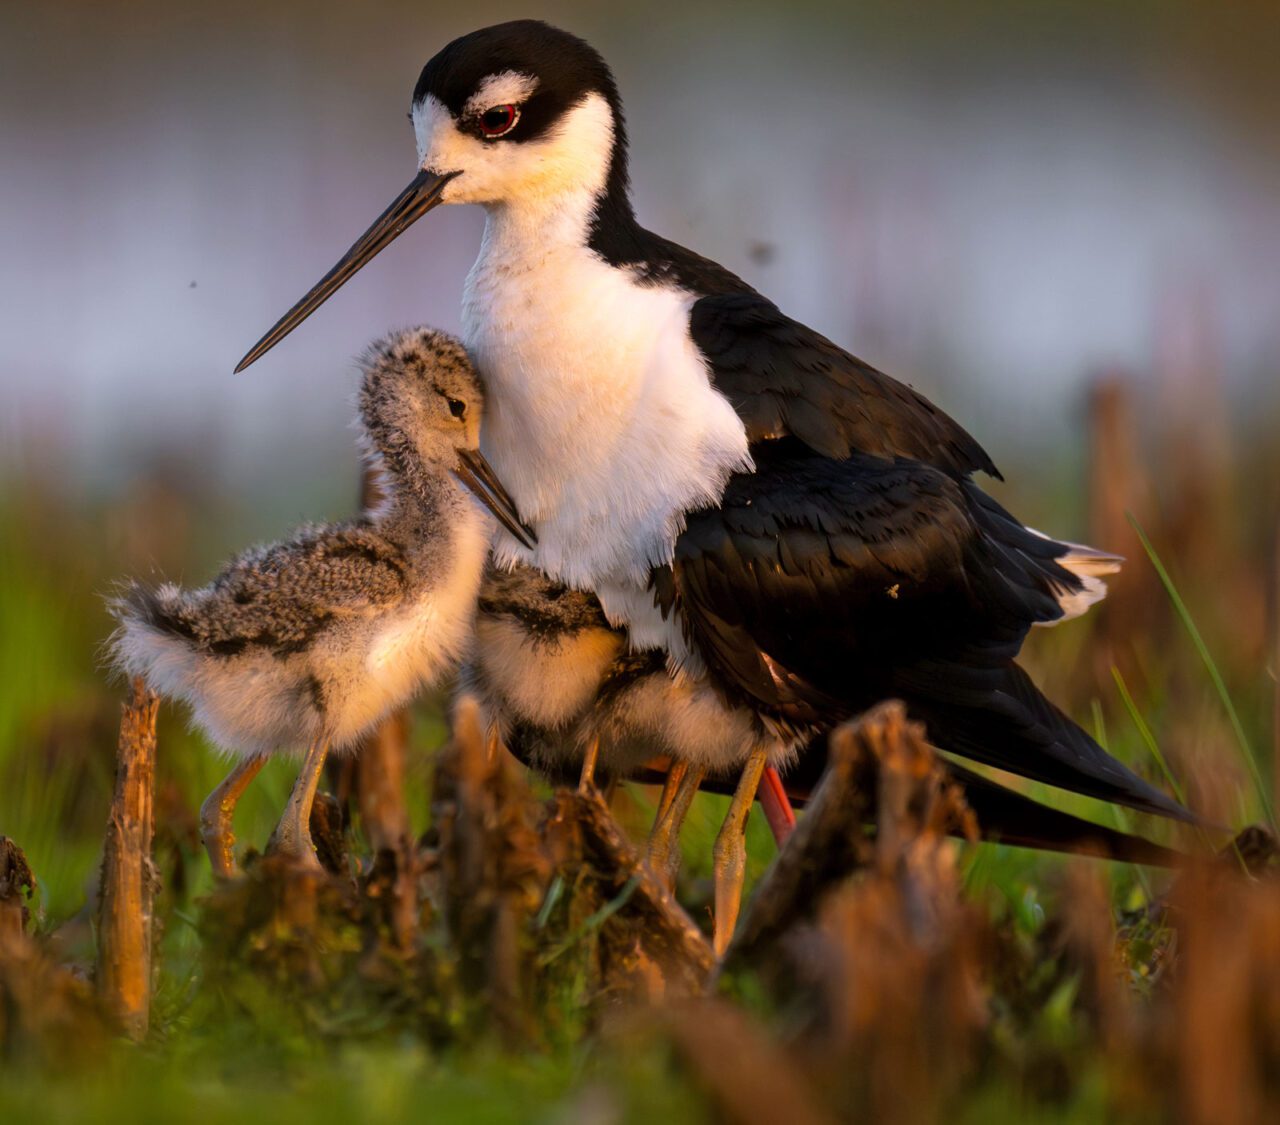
499 120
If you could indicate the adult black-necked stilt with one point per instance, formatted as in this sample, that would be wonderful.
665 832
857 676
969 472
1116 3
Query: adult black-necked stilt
311 640
735 488
558 685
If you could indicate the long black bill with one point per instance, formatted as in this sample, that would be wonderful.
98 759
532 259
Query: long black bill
478 475
410 205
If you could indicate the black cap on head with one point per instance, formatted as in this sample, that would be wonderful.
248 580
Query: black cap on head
565 67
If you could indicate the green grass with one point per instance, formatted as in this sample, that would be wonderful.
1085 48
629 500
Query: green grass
405 1083
57 736
1245 744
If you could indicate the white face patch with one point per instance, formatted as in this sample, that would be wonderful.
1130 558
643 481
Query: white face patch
508 88
431 122
569 162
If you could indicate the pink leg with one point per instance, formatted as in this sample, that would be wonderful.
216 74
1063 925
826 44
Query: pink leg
776 805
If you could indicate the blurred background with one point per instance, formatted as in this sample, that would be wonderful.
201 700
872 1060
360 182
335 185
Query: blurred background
993 200
1060 220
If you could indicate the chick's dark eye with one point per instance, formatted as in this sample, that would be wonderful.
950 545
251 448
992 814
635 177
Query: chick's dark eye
457 408
499 120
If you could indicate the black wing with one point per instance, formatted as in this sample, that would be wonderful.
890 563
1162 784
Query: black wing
1009 817
785 379
819 588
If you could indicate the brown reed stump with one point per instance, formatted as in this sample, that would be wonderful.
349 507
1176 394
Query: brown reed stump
861 936
648 936
1222 1037
379 783
493 873
49 1016
1119 484
880 771
128 878
17 886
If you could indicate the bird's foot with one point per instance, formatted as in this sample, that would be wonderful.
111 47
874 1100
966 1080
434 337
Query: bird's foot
292 841
730 872
292 837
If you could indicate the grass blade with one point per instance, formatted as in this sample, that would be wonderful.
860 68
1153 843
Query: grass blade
1153 748
1148 739
598 919
1215 676
1118 814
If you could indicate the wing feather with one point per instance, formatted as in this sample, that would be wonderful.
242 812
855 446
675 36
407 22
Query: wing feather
818 588
785 379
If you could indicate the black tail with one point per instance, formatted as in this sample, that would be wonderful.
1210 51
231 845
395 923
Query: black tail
1004 815
1009 817
999 717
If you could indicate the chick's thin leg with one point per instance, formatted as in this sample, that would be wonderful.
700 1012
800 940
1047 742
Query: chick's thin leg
293 833
587 779
217 812
664 840
675 773
730 854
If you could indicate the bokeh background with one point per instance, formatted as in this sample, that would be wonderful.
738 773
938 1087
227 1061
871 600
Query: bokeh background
1060 220
993 200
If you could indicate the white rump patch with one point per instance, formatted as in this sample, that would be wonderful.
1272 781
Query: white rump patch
1088 564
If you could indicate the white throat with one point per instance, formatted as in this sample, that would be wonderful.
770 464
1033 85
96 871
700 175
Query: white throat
600 414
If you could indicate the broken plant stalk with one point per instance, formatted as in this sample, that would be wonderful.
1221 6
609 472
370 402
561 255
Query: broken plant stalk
126 893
